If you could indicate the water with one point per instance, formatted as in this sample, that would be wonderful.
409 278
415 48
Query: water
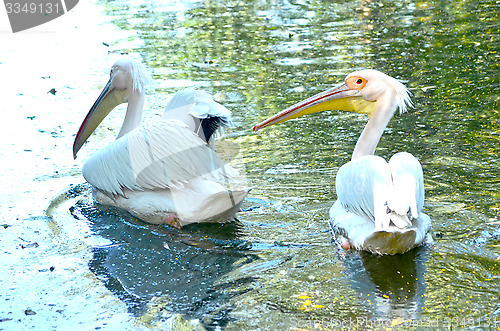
276 267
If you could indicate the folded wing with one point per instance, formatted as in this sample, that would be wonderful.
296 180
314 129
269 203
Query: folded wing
199 111
381 191
158 155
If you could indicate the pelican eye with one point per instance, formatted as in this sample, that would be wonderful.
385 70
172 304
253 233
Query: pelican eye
356 83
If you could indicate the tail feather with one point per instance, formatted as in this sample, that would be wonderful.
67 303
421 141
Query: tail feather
400 221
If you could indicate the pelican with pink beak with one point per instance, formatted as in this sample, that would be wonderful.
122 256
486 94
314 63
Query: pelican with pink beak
379 203
166 171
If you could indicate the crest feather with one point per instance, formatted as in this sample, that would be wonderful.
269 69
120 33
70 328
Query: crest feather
141 77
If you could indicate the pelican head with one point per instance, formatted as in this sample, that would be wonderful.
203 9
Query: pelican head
361 92
127 83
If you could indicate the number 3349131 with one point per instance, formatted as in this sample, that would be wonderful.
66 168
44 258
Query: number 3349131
32 8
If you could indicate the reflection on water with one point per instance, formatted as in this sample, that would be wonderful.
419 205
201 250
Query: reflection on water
395 285
165 270
276 267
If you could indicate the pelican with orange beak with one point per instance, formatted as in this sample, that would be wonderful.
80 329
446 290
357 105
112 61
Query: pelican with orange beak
379 203
163 172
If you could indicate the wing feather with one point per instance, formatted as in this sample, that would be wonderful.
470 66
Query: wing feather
408 179
157 155
363 186
382 191
199 111
204 105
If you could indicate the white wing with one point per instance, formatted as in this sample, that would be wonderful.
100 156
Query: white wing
408 181
199 111
157 155
363 186
382 192
204 105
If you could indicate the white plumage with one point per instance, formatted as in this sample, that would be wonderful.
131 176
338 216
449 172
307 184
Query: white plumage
163 171
156 155
379 206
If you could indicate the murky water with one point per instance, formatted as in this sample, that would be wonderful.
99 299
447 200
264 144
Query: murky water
276 267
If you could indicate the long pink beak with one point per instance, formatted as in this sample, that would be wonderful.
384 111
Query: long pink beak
105 103
327 100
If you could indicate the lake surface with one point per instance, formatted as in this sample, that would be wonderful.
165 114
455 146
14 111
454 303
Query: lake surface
275 267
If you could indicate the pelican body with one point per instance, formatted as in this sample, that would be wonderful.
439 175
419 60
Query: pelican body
379 206
164 172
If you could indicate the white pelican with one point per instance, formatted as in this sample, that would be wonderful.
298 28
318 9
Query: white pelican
379 206
164 172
